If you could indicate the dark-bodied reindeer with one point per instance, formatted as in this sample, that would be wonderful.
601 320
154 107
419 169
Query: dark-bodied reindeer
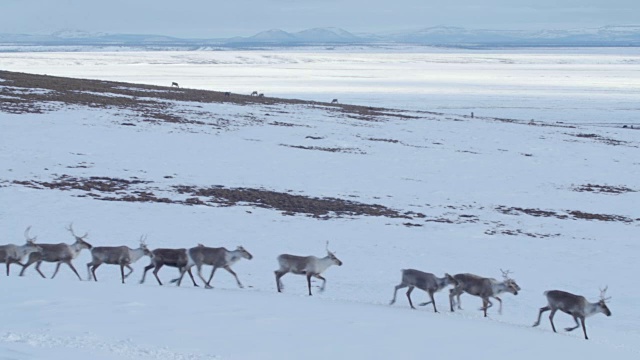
216 257
310 266
574 305
58 253
424 281
116 255
170 257
483 288
175 84
334 101
11 253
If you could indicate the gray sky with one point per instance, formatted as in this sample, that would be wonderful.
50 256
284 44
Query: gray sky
224 18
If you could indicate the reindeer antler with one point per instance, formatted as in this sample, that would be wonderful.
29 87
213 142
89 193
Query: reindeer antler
70 228
143 239
26 235
603 293
505 274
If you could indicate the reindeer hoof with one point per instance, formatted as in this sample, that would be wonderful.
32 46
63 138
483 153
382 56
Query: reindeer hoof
208 286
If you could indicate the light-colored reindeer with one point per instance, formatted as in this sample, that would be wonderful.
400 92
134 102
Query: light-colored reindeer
216 257
483 288
116 255
574 305
11 253
58 253
305 265
170 257
424 281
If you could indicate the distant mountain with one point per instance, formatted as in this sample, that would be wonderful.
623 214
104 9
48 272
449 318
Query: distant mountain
434 36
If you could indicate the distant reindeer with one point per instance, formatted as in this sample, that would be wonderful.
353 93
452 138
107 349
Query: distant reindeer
116 255
261 95
175 84
11 253
424 281
170 257
216 257
305 265
334 101
574 305
58 253
483 288
227 94
255 93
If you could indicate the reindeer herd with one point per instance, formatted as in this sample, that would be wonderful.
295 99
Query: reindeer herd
310 266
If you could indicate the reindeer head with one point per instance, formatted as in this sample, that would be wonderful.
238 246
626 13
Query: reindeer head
602 304
80 239
511 284
244 253
332 256
143 245
450 280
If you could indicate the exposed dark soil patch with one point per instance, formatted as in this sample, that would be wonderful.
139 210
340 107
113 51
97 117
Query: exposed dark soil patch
600 138
604 189
328 149
571 214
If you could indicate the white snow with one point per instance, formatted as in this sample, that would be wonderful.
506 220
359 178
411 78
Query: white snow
444 166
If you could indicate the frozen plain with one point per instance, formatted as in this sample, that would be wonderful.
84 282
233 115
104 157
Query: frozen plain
444 166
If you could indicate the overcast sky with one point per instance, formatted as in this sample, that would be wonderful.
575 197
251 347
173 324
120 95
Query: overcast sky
224 18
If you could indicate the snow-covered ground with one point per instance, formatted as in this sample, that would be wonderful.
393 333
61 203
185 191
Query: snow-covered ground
584 85
476 181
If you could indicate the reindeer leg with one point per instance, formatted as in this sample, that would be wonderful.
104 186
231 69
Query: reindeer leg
542 310
409 296
38 269
122 272
584 328
433 301
30 261
206 284
213 271
500 308
146 268
130 270
93 271
395 291
309 282
553 312
74 270
191 276
8 263
575 318
241 286
279 274
451 295
89 276
324 281
155 273
55 272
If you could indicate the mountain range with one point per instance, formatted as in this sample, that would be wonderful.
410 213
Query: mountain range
628 35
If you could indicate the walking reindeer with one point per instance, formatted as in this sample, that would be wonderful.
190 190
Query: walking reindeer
170 257
11 253
424 281
216 257
483 288
574 305
310 266
58 253
116 255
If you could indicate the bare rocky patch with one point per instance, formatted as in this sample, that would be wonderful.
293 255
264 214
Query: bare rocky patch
602 189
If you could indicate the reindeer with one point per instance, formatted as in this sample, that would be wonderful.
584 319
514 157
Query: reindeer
574 305
255 93
11 253
170 257
227 94
175 84
423 281
261 95
218 258
484 288
58 253
116 255
334 101
305 265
